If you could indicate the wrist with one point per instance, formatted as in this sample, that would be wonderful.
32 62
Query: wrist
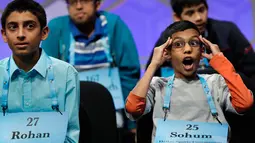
217 54
153 66
221 64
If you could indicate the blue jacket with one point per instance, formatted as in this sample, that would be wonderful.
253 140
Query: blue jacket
122 46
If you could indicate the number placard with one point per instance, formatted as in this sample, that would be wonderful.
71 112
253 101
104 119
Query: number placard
109 78
31 127
32 121
192 127
92 78
175 131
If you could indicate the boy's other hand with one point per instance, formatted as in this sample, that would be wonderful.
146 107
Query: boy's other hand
214 48
161 53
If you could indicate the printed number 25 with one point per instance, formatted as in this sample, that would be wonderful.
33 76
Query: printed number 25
192 127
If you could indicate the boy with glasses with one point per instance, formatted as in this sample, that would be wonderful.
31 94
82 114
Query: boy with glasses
186 97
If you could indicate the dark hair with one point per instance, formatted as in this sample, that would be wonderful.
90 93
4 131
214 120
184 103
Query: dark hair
178 5
24 6
93 0
177 27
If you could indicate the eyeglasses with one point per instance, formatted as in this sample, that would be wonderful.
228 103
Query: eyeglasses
74 2
180 43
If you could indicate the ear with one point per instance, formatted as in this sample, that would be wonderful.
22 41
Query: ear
176 17
202 50
97 5
167 54
4 35
201 57
45 33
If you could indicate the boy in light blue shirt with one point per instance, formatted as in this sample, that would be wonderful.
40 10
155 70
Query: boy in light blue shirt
32 81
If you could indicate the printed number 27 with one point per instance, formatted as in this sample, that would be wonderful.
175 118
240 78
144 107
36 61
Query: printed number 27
32 121
192 127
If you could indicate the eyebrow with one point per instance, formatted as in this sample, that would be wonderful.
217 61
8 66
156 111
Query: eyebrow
27 21
202 6
177 38
191 9
194 36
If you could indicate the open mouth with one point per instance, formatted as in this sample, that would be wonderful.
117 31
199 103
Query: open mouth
188 63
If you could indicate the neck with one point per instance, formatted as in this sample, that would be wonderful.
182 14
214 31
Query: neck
27 62
87 28
189 78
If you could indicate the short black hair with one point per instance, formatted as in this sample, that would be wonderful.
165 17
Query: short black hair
177 27
93 0
178 5
24 6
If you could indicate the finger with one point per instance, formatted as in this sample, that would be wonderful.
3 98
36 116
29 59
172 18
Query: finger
167 43
208 42
170 41
214 47
208 56
202 40
205 55
200 37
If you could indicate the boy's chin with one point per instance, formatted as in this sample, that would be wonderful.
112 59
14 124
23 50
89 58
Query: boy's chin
189 74
186 74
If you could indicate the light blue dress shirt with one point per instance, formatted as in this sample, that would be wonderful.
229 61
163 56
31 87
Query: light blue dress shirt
30 91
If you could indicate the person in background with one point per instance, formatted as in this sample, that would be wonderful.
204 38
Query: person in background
91 40
32 81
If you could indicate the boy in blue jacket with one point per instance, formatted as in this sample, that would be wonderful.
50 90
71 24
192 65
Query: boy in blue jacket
39 94
90 39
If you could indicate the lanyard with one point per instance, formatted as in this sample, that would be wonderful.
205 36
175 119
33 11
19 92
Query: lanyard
50 77
107 51
168 94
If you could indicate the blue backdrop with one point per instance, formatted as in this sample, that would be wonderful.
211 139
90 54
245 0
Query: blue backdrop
147 18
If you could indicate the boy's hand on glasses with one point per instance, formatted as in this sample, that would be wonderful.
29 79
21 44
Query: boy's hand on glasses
214 48
161 54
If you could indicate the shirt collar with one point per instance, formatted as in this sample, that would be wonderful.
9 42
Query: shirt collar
205 34
40 67
98 28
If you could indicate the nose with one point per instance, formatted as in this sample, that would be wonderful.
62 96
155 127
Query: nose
21 35
78 5
187 49
198 17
